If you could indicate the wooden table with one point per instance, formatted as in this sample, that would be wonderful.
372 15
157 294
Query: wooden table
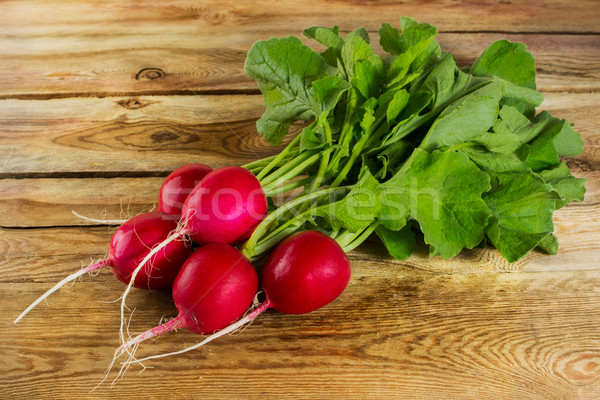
101 99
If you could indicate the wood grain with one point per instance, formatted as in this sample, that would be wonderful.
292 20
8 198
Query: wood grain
157 133
394 330
26 201
98 104
213 16
179 63
160 133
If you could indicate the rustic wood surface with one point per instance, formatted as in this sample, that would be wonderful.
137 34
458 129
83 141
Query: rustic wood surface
100 100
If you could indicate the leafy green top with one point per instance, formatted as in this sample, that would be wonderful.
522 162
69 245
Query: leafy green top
417 142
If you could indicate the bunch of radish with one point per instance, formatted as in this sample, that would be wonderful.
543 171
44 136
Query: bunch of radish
215 285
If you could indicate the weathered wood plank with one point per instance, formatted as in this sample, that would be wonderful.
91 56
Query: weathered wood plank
177 63
160 133
50 202
394 333
129 134
84 17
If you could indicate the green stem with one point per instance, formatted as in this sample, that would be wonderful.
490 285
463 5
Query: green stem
250 244
354 243
284 169
345 238
259 163
296 170
356 152
256 167
272 241
288 187
278 158
324 161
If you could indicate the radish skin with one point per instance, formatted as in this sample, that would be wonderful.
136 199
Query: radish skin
178 185
225 207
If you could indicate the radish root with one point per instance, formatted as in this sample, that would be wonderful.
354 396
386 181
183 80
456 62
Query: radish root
174 236
69 278
100 221
231 328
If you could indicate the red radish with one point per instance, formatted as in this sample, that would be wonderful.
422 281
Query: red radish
304 272
131 243
214 287
134 240
223 208
178 185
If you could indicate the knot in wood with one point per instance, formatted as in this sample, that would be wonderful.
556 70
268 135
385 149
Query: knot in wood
131 104
163 136
215 18
578 165
150 73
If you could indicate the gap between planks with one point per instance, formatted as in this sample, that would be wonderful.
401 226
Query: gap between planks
208 92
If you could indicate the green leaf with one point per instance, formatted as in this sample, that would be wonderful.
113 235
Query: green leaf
507 60
366 79
568 142
327 93
521 94
310 139
549 244
515 121
393 157
498 162
500 139
326 36
354 49
521 204
415 40
361 32
396 105
445 81
544 127
566 185
544 152
331 57
389 39
330 38
284 70
358 209
465 119
399 243
442 192
367 114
